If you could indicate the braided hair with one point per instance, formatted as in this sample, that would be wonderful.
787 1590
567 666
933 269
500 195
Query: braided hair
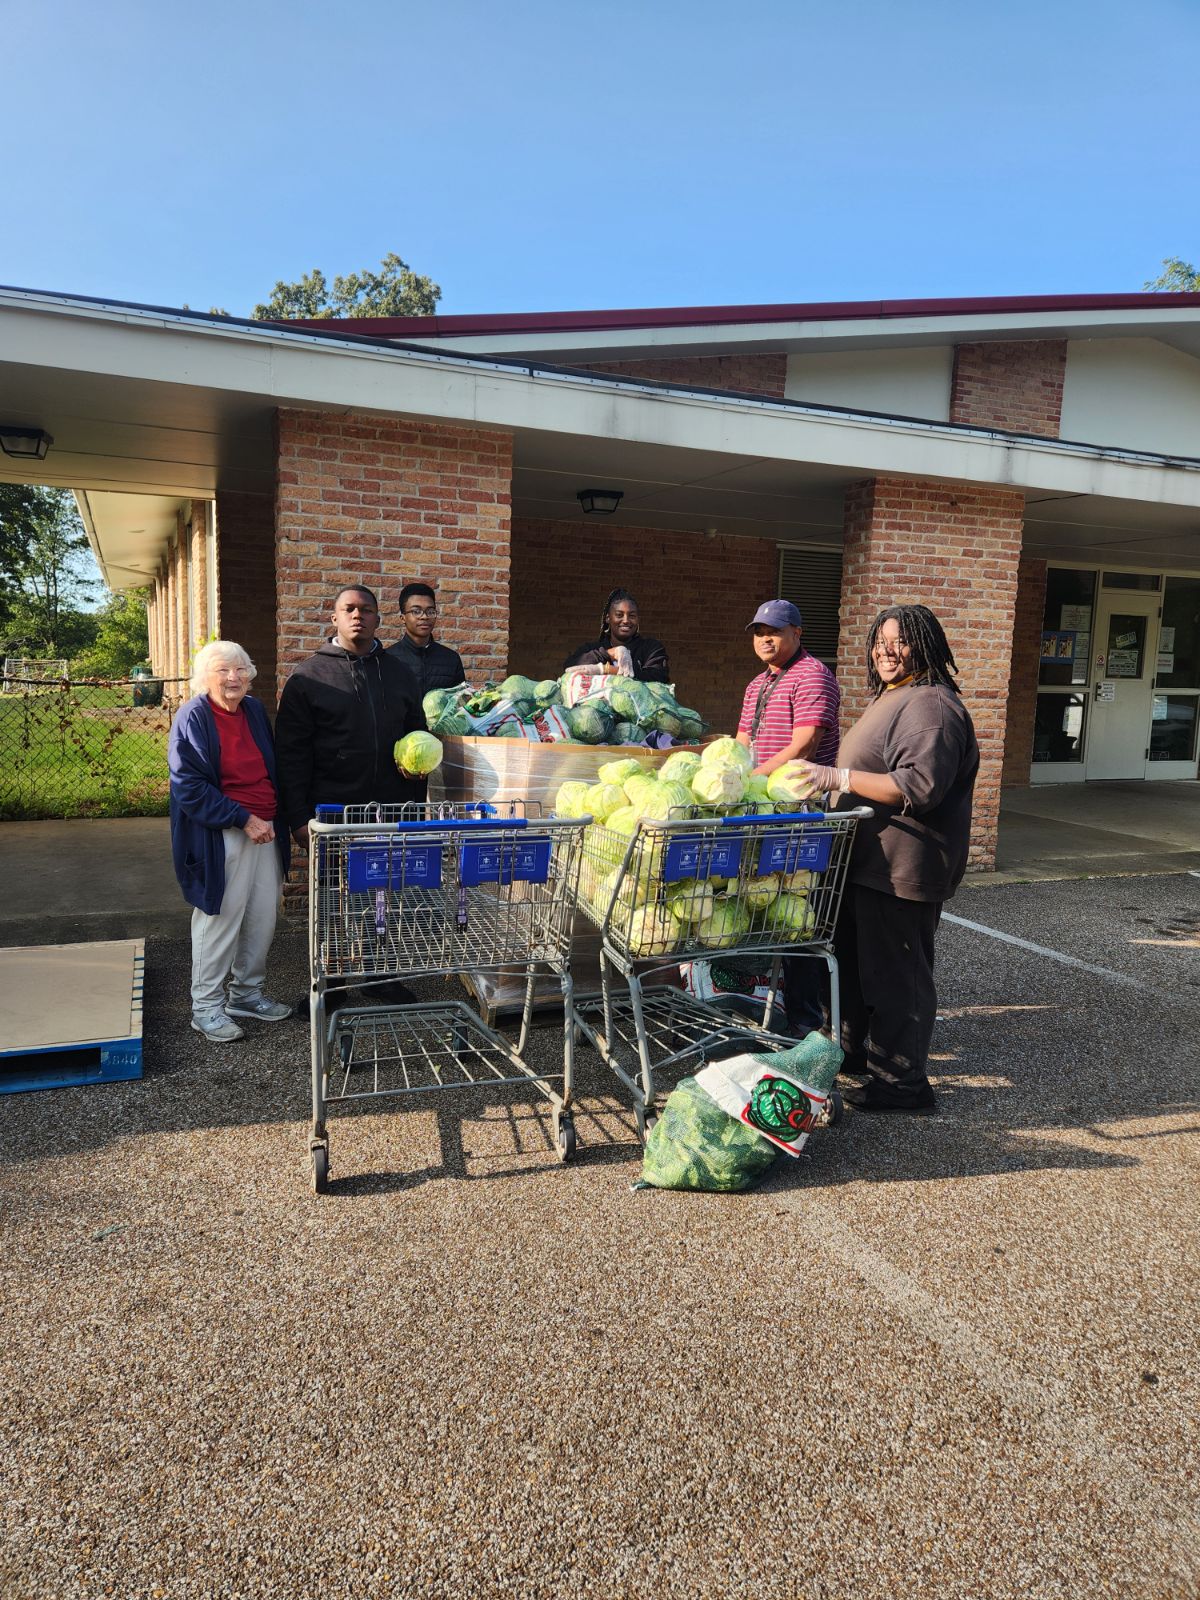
618 595
932 659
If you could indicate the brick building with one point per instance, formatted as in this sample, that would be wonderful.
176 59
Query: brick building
1030 468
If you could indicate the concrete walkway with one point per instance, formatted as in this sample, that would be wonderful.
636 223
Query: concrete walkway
1082 830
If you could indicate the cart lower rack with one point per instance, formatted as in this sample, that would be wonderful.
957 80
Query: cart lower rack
403 892
762 884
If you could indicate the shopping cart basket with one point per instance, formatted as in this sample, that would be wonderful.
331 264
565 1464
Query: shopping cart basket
764 884
411 891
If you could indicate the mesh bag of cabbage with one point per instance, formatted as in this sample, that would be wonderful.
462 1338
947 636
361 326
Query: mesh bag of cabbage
721 1130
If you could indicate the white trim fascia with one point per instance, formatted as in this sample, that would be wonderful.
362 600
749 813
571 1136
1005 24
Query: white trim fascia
797 336
290 369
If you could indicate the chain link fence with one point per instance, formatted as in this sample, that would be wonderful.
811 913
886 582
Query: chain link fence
95 748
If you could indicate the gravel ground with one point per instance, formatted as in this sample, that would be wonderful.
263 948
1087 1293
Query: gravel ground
953 1356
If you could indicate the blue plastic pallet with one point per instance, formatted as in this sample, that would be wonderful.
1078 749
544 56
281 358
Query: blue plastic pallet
70 1015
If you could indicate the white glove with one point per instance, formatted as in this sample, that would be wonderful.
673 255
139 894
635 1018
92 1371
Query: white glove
622 660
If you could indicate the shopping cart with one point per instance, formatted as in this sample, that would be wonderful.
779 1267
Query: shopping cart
412 891
763 884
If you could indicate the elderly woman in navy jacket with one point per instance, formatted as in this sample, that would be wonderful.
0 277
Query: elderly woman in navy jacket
230 858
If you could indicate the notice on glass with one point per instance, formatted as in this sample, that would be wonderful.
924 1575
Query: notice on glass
1159 713
1166 661
1076 619
1166 638
1122 664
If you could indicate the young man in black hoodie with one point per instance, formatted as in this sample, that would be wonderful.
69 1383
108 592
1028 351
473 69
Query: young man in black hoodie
340 715
435 665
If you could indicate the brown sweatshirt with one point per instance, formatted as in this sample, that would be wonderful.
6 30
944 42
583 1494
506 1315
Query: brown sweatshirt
923 738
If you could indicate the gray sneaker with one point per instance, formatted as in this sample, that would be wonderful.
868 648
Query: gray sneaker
216 1026
259 1009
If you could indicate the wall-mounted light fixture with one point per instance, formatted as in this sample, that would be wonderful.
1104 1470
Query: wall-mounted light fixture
32 443
600 502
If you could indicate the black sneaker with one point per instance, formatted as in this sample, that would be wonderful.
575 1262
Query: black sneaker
875 1095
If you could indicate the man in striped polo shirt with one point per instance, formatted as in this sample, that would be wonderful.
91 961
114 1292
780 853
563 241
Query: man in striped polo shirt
790 711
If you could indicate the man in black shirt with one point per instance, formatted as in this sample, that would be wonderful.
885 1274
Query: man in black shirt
434 665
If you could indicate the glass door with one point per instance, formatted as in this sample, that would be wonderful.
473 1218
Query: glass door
1125 657
1176 703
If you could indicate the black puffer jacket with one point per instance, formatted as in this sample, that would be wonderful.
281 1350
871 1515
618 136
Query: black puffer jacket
435 665
339 718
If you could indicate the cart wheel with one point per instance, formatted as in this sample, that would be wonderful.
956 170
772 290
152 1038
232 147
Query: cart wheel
837 1108
564 1138
319 1161
646 1118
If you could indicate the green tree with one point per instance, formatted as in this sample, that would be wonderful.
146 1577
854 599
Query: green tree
394 291
45 559
1177 275
122 639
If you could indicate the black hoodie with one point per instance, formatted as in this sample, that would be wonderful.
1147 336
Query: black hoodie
339 717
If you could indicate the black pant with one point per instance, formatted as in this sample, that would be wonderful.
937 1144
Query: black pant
805 994
884 947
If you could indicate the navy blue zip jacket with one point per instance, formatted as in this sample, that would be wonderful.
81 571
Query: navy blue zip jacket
199 811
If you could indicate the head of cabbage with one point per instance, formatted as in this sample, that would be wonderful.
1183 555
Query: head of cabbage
418 752
652 932
716 783
791 784
570 799
627 733
444 715
617 771
679 767
725 750
590 721
791 914
631 701
601 800
663 802
690 900
728 922
758 893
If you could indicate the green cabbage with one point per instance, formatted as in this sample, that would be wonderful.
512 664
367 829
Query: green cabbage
718 784
800 882
624 821
791 784
652 932
570 799
758 893
637 781
679 767
690 900
756 789
590 722
547 693
631 701
444 715
692 726
726 750
617 771
627 733
728 922
517 687
626 889
602 800
666 719
792 914
418 752
656 804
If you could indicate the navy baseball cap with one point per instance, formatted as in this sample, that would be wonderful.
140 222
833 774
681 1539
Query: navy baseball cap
776 614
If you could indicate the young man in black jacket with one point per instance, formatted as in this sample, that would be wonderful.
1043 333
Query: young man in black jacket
435 665
340 715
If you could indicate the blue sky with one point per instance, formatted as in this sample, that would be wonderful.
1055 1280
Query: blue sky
532 155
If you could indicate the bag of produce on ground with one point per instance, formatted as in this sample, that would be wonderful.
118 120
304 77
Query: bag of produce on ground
721 1130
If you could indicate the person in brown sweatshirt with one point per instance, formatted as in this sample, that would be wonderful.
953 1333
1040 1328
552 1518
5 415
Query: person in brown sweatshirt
913 757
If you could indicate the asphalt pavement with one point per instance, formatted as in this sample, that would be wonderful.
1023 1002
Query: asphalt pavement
950 1356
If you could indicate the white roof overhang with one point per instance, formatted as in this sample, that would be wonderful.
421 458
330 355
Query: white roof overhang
175 405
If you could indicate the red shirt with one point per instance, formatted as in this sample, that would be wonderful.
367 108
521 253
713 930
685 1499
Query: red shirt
806 695
244 775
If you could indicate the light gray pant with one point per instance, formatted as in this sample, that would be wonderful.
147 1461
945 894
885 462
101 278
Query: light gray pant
237 939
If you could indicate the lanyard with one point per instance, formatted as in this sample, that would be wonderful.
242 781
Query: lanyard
765 693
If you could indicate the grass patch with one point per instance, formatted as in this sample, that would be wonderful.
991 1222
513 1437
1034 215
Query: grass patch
83 751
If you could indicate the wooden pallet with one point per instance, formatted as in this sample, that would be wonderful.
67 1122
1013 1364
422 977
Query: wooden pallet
70 1014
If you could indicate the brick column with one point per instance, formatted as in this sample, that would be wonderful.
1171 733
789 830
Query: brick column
198 554
1026 659
386 502
246 582
955 550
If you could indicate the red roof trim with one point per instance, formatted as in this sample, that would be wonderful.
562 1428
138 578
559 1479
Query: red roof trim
724 316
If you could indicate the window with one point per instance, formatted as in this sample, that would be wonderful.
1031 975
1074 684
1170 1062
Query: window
1058 727
1133 580
1173 727
812 580
1179 636
1067 627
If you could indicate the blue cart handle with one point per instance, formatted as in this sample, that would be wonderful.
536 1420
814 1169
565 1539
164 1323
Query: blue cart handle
461 825
773 817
